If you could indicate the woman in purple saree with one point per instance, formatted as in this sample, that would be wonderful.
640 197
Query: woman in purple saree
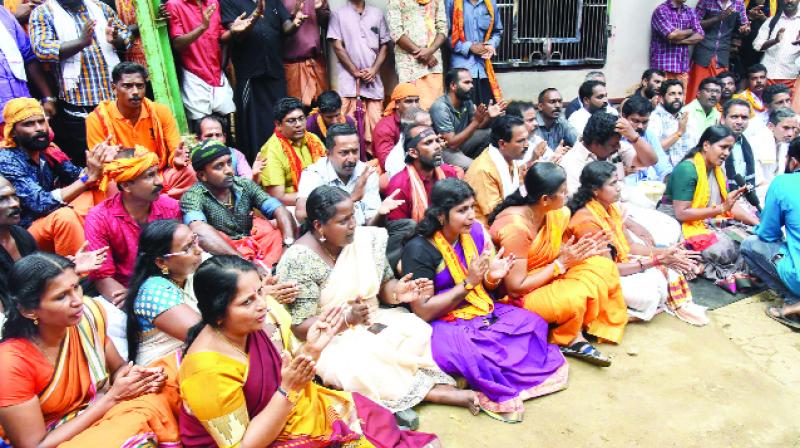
241 387
500 350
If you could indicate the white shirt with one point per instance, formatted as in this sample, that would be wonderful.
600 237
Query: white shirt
780 59
580 117
396 160
322 173
770 158
579 156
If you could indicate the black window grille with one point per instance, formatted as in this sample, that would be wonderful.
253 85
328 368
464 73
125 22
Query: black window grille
552 33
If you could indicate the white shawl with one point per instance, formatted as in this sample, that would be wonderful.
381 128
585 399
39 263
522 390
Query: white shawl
510 184
8 45
67 29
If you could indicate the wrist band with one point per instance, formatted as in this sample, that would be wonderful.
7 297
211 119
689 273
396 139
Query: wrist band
558 268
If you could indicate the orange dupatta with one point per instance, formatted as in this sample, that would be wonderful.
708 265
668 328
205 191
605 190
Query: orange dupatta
295 164
547 244
611 219
480 303
161 149
419 196
458 36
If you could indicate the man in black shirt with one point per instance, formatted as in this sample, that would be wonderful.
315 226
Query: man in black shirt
15 241
258 63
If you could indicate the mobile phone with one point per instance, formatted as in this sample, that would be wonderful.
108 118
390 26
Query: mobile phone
376 328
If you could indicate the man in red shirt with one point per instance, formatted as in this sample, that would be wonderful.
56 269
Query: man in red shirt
424 166
195 29
386 133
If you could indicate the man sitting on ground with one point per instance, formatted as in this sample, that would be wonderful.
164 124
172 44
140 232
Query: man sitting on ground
496 173
45 180
226 202
773 253
424 167
594 97
668 124
211 128
327 113
342 169
463 125
770 146
132 119
387 131
539 150
396 161
288 152
550 123
703 111
741 161
117 222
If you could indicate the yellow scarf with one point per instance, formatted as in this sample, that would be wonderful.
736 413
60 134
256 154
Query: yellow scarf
611 219
702 193
480 303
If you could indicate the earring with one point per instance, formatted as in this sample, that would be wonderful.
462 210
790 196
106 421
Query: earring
36 321
322 239
165 270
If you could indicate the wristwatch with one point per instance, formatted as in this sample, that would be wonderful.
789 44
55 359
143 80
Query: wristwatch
48 99
468 286
288 241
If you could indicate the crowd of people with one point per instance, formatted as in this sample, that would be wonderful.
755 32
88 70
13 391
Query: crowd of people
304 266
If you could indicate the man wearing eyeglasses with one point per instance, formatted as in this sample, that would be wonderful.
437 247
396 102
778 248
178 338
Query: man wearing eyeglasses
290 149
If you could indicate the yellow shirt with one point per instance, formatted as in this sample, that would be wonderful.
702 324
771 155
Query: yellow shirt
276 171
483 177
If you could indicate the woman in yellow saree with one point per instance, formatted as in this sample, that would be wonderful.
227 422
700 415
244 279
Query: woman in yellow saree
711 218
570 284
241 386
63 382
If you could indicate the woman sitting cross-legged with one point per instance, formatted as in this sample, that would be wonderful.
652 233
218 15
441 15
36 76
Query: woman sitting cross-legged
570 283
63 382
382 353
501 350
698 197
241 387
652 278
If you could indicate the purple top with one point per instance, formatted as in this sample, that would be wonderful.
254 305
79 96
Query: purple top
10 86
665 55
362 35
304 43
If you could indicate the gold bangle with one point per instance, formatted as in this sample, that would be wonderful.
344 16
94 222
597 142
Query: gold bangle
490 284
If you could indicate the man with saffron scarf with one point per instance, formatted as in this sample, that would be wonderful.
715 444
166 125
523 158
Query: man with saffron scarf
288 152
424 167
117 221
133 120
46 180
387 132
226 203
474 44
327 113
419 29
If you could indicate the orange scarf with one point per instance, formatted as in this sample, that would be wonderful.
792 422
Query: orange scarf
458 36
547 244
419 196
479 302
295 164
321 123
756 105
611 219
104 114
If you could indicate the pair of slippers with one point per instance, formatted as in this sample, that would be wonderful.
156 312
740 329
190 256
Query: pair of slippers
776 313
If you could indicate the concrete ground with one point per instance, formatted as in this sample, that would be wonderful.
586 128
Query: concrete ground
733 383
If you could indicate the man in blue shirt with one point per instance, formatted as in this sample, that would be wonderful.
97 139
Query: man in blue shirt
472 49
771 256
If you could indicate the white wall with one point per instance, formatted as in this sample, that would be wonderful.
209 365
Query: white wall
628 56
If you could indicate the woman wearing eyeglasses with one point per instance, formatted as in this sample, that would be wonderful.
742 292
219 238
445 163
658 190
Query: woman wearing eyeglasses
160 305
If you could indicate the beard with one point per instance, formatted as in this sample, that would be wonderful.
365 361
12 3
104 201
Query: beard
463 95
429 164
36 142
673 107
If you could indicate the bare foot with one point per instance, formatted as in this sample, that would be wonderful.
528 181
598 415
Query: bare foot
470 401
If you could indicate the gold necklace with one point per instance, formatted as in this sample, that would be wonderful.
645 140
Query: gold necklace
330 255
229 342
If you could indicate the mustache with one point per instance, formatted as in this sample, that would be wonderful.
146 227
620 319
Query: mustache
349 165
14 211
158 189
40 135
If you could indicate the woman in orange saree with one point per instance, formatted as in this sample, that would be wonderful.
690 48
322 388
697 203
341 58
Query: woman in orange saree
570 284
64 384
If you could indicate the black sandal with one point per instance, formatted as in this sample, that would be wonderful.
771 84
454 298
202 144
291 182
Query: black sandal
776 313
586 352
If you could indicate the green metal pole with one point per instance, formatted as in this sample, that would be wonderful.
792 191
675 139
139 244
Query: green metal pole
161 65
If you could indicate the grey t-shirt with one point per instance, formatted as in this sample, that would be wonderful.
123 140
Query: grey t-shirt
446 118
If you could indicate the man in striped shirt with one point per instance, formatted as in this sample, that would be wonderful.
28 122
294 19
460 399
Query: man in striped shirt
675 28
80 37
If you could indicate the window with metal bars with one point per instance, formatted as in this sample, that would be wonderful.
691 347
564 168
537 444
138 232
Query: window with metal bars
552 33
